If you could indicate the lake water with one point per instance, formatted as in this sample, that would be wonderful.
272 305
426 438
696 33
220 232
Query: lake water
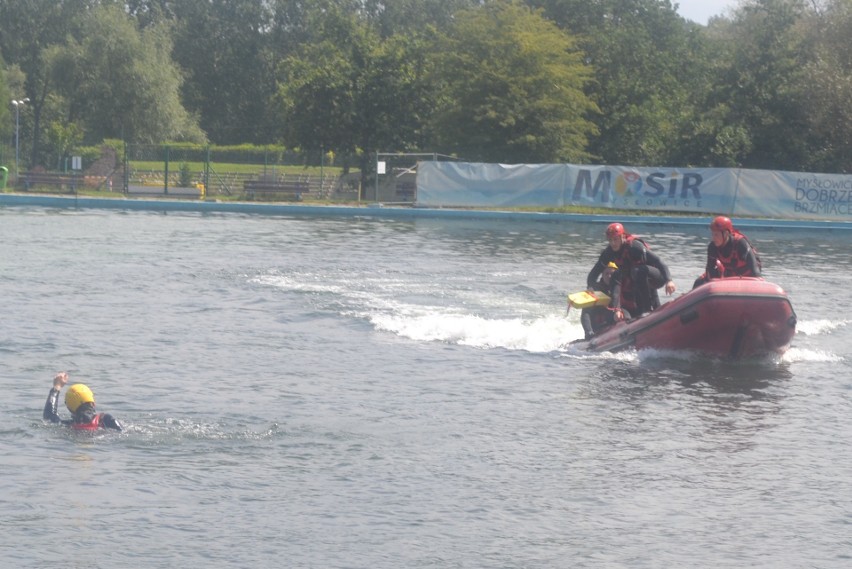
372 393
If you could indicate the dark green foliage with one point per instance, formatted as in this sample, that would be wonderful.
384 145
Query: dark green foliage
511 88
351 91
610 81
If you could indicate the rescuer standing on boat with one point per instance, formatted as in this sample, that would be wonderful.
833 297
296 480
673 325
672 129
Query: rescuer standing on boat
729 254
640 271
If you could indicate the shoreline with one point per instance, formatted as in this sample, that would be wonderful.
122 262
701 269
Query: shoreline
393 211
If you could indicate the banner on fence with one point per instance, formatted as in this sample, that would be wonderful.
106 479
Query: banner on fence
795 195
728 191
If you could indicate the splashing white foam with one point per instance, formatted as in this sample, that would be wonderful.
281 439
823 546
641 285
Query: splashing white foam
409 310
544 334
816 327
794 355
623 356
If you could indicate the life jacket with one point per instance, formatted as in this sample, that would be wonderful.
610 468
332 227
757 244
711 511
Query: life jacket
623 259
90 426
625 264
600 318
628 299
734 264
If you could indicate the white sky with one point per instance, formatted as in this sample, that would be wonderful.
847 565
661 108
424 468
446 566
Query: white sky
701 10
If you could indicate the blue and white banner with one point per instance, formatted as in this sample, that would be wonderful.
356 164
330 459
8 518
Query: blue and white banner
727 191
795 195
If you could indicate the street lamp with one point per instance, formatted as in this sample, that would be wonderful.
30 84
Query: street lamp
18 105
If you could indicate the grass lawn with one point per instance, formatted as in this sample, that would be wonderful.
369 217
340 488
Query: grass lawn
234 168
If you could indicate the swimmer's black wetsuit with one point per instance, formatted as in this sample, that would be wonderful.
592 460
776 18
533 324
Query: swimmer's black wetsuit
85 419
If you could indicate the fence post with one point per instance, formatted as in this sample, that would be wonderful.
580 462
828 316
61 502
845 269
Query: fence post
207 172
126 180
166 181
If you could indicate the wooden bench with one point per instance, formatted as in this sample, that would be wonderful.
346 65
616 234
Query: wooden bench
406 191
265 188
33 180
159 192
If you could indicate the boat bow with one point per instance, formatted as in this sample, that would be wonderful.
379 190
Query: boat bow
732 318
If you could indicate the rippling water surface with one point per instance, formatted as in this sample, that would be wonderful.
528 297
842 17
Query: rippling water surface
361 392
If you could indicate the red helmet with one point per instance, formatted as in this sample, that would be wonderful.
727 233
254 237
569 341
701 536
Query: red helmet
614 229
721 224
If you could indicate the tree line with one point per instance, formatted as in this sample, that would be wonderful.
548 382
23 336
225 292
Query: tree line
625 82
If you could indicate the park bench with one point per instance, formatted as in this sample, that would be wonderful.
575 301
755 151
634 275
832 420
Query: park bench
271 189
160 192
34 180
406 191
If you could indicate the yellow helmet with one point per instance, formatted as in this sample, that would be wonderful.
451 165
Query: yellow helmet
76 395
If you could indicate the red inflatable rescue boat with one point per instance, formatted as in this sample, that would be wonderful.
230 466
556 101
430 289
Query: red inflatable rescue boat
732 318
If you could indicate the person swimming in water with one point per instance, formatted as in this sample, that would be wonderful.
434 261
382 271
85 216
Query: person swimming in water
81 402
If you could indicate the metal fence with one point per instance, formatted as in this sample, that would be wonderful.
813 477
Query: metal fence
396 175
235 172
198 172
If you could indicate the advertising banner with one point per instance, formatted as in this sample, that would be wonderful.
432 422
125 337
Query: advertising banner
467 184
475 184
795 195
733 192
651 189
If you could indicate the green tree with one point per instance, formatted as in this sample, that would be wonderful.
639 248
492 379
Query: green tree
349 91
224 50
706 137
121 82
27 30
6 128
761 83
411 16
511 88
63 139
649 75
151 12
317 85
12 87
828 83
